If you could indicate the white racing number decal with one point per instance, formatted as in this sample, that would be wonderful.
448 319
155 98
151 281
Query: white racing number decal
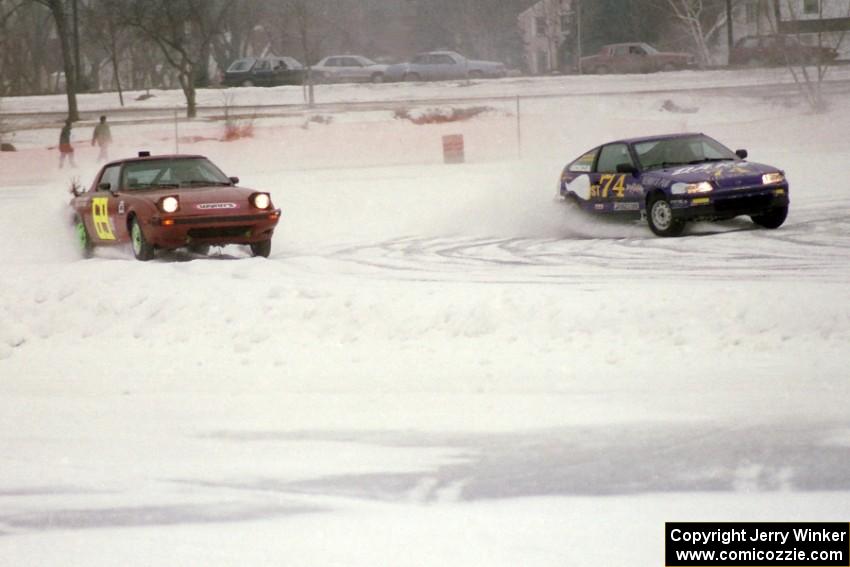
580 186
208 206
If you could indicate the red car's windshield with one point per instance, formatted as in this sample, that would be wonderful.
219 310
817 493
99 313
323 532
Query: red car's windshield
181 172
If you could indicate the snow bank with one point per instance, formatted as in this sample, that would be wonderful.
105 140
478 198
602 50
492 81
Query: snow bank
431 349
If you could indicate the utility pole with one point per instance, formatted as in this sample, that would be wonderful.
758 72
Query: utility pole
77 72
578 35
730 36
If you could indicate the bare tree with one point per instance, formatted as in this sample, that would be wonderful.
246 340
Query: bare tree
25 54
240 32
103 26
702 19
60 17
183 30
3 126
809 73
306 18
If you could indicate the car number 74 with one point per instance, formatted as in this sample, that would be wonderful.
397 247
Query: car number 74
609 182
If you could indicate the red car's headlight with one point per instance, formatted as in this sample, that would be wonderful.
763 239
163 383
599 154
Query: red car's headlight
261 200
169 204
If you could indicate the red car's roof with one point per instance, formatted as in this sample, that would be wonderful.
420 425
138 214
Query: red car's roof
156 157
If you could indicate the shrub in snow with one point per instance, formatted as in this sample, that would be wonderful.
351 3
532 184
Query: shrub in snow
440 115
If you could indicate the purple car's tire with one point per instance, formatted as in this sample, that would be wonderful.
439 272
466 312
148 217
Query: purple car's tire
771 219
660 217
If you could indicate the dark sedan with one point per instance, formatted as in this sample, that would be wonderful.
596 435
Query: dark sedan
264 72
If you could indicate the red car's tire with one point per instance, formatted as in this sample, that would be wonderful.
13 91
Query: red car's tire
202 249
142 250
83 238
262 248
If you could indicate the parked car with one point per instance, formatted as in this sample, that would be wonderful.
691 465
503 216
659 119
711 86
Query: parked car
670 180
441 65
168 202
777 50
634 58
264 72
348 69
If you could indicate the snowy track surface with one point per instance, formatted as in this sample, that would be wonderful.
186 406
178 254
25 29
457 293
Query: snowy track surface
438 365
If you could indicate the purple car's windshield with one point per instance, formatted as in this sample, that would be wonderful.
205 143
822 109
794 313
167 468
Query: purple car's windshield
182 172
669 152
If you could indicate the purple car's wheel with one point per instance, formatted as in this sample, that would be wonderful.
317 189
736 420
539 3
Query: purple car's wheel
661 219
773 218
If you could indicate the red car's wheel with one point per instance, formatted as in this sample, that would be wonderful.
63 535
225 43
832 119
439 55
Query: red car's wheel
262 248
83 238
142 250
202 249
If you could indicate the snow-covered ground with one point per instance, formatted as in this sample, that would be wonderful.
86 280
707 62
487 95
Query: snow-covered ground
439 364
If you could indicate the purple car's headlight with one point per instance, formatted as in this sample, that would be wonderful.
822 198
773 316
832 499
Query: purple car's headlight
691 188
772 178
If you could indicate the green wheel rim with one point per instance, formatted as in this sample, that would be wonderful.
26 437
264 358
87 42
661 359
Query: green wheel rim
137 238
82 235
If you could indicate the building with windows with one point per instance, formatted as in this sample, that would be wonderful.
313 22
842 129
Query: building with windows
548 34
811 22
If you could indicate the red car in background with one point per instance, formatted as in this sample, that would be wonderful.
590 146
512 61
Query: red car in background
169 202
634 58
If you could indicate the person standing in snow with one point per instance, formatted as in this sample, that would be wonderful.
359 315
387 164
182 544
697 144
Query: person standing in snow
103 137
66 150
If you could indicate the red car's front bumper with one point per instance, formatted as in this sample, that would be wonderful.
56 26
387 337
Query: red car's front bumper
175 231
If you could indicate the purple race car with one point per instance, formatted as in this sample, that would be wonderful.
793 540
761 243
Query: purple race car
673 179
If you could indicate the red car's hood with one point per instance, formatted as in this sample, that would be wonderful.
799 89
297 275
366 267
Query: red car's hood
200 199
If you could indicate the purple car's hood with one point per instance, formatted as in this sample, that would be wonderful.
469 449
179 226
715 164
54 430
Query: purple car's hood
724 174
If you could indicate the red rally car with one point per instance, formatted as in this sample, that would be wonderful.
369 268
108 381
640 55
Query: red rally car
168 202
